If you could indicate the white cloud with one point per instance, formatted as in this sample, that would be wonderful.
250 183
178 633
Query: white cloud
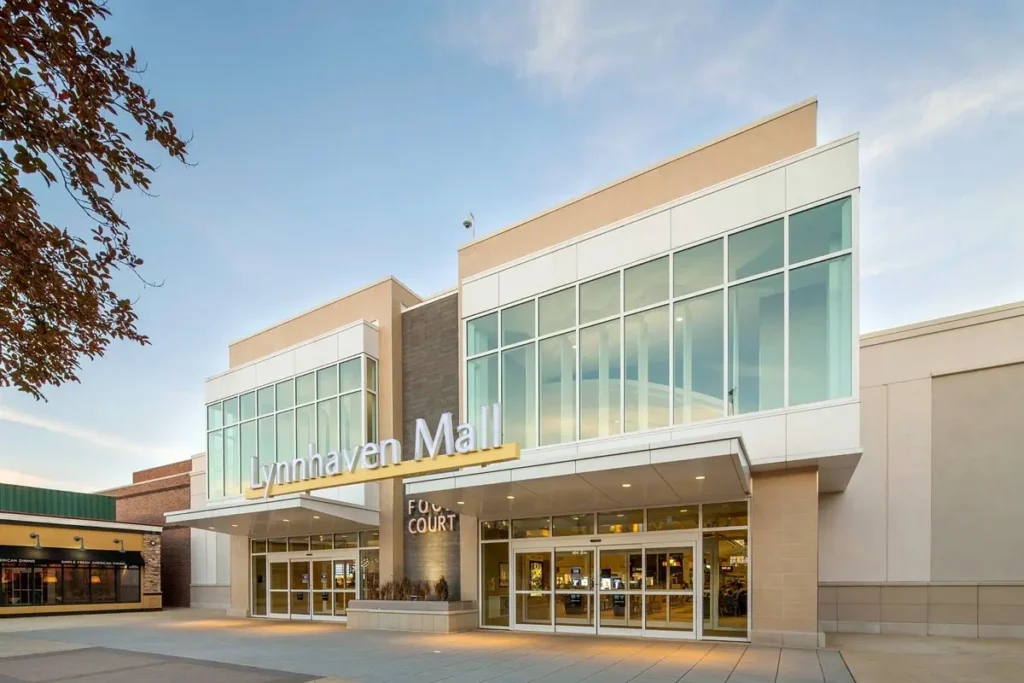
9 476
95 438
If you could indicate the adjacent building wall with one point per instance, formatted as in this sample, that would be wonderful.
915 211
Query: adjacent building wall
926 538
152 493
210 552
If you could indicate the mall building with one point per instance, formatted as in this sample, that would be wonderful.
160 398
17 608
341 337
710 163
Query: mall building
693 440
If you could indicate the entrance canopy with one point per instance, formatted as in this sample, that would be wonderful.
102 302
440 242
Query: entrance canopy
296 515
644 474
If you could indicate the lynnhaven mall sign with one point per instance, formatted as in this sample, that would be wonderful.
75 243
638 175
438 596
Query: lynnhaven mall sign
448 447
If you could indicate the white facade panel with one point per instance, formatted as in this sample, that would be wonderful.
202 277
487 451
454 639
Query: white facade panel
910 480
631 242
348 342
275 368
318 353
479 295
223 543
852 525
537 275
731 207
823 430
371 342
230 383
823 175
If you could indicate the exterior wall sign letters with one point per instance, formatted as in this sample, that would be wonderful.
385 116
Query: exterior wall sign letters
425 517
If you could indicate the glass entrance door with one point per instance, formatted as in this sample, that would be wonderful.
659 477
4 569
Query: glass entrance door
533 590
668 590
344 585
278 589
299 580
322 580
574 591
620 586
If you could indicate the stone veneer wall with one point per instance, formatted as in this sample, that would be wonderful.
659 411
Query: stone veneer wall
784 558
430 364
151 556
932 609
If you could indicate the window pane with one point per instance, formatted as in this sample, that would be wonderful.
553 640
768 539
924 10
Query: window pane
369 539
230 411
533 573
286 394
265 400
258 581
556 311
214 416
76 585
349 540
490 531
599 298
494 557
215 464
536 527
725 572
278 545
249 451
327 427
247 406
371 374
558 389
621 570
482 334
232 464
320 542
699 340
620 522
821 332
266 441
573 525
756 346
600 380
351 414
668 519
298 543
351 375
305 430
101 580
128 587
646 284
305 389
371 417
725 514
697 268
519 396
669 569
821 230
481 390
369 561
756 250
327 382
517 323
258 546
647 370
286 436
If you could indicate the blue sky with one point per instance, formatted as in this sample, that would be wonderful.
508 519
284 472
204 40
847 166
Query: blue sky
339 142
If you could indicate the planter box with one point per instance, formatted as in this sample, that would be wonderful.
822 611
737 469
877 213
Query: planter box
402 615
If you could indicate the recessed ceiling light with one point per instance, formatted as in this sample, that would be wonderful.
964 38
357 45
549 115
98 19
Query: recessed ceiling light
511 497
683 510
234 526
460 502
284 520
314 517
626 486
699 477
679 320
210 528
621 514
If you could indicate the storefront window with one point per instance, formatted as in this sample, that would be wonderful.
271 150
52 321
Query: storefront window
102 584
348 540
258 582
277 545
537 527
496 580
492 531
321 542
624 521
673 518
725 584
573 525
129 588
369 561
725 514
369 539
298 543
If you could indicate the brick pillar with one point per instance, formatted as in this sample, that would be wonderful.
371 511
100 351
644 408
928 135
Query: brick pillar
151 572
784 558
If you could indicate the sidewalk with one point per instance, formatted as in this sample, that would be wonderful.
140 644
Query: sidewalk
913 659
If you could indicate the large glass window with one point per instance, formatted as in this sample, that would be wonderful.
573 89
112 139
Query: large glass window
267 446
327 426
756 350
699 342
600 380
519 395
230 411
286 436
821 331
647 395
351 409
232 462
697 268
326 382
558 389
600 298
305 389
249 446
350 375
610 359
129 587
821 231
482 334
305 430
496 584
215 464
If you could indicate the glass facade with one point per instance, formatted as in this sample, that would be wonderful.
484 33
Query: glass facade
82 583
758 319
332 408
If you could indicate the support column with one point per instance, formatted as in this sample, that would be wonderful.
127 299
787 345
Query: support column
469 554
784 558
240 573
392 534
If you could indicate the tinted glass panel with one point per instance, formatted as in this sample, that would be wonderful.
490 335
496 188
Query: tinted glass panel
671 518
305 389
265 400
285 394
558 389
327 382
600 380
599 298
556 311
625 521
351 375
646 284
699 340
247 406
490 531
519 396
647 394
482 334
821 230
756 346
537 527
756 250
573 525
517 323
698 268
725 514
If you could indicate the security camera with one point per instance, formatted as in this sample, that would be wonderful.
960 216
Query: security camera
467 222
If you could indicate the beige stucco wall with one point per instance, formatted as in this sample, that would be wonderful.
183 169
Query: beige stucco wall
764 142
784 557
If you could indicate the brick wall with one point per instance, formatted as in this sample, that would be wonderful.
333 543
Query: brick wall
430 364
156 491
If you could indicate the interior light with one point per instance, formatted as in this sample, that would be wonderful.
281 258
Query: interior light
626 486
314 517
621 514
461 502
699 477
683 510
511 497
284 520
210 528
234 526
679 320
